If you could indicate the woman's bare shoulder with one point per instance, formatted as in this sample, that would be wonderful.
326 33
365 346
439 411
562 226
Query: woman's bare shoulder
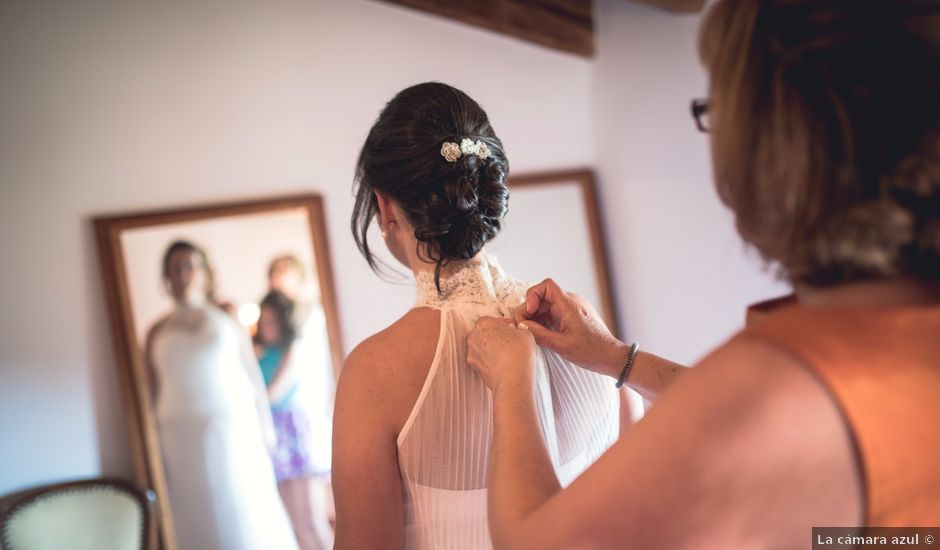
412 337
771 436
385 373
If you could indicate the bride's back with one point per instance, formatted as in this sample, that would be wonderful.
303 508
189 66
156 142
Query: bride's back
444 444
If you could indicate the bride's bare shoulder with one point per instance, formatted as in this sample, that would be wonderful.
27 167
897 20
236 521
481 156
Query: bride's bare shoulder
412 337
388 369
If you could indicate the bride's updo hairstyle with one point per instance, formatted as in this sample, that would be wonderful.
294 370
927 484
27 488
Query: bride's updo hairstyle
825 126
454 200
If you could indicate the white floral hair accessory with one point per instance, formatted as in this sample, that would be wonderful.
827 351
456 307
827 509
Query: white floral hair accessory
451 151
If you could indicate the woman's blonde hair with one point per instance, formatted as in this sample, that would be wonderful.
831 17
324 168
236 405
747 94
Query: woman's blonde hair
826 133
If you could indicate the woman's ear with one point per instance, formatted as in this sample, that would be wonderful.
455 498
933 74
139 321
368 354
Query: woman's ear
386 211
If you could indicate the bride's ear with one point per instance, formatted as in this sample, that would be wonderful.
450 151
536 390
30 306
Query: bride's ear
387 212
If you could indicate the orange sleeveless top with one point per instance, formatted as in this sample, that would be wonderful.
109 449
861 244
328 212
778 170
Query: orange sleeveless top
882 366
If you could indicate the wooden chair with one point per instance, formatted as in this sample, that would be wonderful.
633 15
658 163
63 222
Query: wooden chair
99 514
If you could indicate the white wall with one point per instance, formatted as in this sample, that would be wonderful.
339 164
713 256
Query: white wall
115 106
682 276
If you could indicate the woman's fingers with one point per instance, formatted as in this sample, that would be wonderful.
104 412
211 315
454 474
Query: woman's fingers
543 336
533 303
541 296
519 313
545 298
565 324
497 349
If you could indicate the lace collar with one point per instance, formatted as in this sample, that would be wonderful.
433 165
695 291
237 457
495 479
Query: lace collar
477 282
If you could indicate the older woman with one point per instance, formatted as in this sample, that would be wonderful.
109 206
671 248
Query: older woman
826 145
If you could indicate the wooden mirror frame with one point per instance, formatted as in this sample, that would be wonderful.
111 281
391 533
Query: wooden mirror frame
585 179
141 422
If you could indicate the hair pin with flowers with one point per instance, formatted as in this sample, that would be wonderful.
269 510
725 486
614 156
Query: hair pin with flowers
451 151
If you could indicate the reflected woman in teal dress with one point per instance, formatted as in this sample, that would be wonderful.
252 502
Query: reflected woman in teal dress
294 465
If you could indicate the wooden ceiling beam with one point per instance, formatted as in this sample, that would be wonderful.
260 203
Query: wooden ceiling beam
677 6
566 25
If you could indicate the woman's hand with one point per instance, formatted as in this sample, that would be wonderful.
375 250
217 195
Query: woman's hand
501 353
569 327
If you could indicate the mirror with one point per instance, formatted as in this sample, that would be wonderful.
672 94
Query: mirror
553 230
226 332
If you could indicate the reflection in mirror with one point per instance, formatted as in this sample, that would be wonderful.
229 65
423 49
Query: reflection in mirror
228 320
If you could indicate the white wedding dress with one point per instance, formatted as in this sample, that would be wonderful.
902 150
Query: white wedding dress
443 448
219 474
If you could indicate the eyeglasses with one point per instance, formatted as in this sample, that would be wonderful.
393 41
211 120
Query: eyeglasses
700 114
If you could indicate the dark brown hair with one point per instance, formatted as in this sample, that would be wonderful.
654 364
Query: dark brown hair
283 308
454 207
188 246
826 133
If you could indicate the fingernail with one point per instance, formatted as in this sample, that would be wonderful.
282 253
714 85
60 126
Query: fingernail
523 326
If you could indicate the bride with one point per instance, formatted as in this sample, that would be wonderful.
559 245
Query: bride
413 423
213 418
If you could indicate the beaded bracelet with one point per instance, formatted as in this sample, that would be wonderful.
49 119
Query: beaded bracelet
628 364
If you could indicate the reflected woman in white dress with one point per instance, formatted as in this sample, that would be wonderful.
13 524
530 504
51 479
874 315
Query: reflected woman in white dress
213 419
413 422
